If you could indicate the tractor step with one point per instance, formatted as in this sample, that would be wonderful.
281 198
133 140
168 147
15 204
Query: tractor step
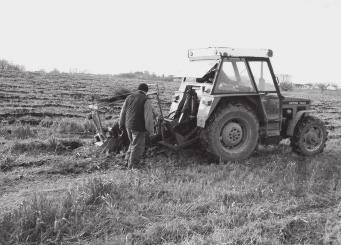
271 140
271 133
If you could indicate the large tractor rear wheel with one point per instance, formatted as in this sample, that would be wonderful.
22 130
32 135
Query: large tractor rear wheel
309 137
233 133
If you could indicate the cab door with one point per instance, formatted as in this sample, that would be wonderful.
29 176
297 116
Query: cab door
269 95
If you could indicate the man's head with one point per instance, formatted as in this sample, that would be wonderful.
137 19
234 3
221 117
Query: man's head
143 87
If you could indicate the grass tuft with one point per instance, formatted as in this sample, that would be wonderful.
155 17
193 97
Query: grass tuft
46 122
23 132
70 218
69 126
6 162
18 131
51 145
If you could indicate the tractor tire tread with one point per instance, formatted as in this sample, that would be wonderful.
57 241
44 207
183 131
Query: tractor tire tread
220 113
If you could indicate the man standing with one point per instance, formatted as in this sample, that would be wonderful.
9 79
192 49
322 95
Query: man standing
133 121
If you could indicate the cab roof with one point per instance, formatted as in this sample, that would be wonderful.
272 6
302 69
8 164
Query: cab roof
215 53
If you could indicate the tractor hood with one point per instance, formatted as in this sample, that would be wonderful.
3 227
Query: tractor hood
295 101
192 81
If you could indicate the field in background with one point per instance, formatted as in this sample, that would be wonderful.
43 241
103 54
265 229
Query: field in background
55 187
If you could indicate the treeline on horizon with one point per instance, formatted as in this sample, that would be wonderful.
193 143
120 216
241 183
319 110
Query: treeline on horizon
145 75
12 69
8 67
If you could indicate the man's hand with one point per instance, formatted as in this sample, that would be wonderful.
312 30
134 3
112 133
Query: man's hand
122 130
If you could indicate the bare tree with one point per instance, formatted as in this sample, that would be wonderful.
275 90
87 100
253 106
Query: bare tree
284 78
3 65
286 86
322 86
285 82
335 86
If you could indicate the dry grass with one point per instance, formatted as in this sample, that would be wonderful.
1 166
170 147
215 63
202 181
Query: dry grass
18 131
278 200
119 94
38 146
24 132
69 126
41 220
46 122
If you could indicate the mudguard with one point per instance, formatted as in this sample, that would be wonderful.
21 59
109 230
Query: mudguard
294 121
206 107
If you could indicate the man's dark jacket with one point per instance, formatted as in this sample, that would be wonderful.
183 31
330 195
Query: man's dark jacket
132 113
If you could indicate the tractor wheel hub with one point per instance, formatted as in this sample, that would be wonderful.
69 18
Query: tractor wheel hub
312 139
232 134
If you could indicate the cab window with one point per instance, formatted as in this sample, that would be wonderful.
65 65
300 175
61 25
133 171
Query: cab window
261 73
233 77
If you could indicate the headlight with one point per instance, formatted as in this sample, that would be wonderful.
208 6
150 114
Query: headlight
207 102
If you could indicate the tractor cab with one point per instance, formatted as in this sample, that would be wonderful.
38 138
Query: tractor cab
233 74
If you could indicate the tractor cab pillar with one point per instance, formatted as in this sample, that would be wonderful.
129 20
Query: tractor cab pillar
268 91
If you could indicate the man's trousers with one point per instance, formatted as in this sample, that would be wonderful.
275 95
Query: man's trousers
136 147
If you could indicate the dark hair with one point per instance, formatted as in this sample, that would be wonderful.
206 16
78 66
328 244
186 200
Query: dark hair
143 87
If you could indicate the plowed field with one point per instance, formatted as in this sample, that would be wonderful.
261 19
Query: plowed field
49 168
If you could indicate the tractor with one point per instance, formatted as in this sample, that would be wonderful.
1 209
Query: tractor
236 105
232 103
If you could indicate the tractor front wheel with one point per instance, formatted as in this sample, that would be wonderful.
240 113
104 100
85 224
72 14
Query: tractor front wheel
309 137
233 132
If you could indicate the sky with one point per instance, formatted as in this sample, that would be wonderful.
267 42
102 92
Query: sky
113 37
